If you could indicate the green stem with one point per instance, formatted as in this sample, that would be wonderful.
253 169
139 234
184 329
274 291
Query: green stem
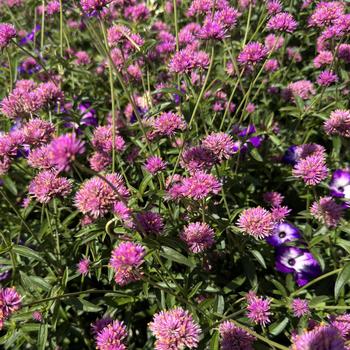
10 69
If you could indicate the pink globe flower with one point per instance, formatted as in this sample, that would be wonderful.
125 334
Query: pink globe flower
198 237
7 33
338 123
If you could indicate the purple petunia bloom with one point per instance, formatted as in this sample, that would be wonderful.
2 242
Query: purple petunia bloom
340 184
30 36
88 114
283 233
298 261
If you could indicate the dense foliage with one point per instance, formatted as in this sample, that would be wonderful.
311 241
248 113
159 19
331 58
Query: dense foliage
174 174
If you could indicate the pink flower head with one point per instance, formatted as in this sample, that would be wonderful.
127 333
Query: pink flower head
97 197
198 237
100 161
280 213
323 58
112 337
342 324
93 7
273 7
37 316
184 61
53 7
39 158
155 164
302 88
220 144
338 123
257 222
235 338
252 54
137 12
259 310
10 301
328 211
37 132
117 33
274 199
83 266
82 58
126 261
197 158
327 78
273 42
151 222
300 307
326 13
282 22
7 33
175 330
200 185
64 149
168 123
103 140
311 169
48 185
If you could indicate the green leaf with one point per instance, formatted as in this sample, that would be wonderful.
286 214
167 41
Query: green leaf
42 337
10 185
277 327
174 255
27 252
342 279
259 257
256 155
214 341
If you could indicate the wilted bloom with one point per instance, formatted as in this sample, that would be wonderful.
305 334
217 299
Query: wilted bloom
259 310
7 33
257 222
311 169
200 185
235 338
126 261
298 261
112 337
252 54
327 78
283 22
300 307
340 184
328 211
220 144
320 338
155 164
97 197
151 222
64 150
198 237
168 123
48 185
338 123
83 266
175 330
283 233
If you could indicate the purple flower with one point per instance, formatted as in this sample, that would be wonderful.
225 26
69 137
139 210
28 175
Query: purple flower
326 13
83 266
338 123
126 261
283 22
88 114
340 183
112 337
188 59
327 78
151 223
64 150
342 323
198 237
155 164
283 233
99 324
328 211
7 33
168 123
175 330
311 169
259 310
93 7
30 37
252 54
235 338
300 307
298 261
197 158
220 144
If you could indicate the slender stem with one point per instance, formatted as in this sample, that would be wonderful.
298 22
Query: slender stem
61 28
248 25
10 69
42 34
175 25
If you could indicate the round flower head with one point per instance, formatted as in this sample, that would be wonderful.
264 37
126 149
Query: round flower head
93 7
252 54
273 6
200 185
302 88
283 22
298 261
103 140
126 261
340 184
151 223
300 307
154 164
168 123
259 310
311 169
83 266
188 59
320 338
338 123
37 316
99 324
283 233
100 161
273 42
198 237
175 330
342 324
257 222
10 301
96 197
235 338
64 149
220 144
323 58
327 211
327 78
7 33
39 158
197 158
48 185
112 337
37 132
274 199
326 13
